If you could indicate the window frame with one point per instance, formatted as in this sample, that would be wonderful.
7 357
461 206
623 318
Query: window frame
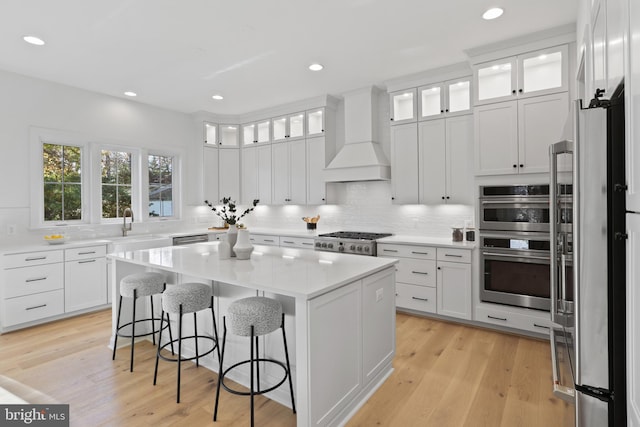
176 187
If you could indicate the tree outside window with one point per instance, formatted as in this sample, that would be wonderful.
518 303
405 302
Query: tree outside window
62 176
116 183
160 186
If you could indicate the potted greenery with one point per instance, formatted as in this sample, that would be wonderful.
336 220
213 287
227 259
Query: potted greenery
228 212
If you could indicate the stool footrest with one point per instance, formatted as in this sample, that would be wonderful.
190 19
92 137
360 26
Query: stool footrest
248 393
156 328
175 359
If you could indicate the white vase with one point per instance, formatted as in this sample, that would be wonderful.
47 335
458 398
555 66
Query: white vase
224 250
232 235
243 246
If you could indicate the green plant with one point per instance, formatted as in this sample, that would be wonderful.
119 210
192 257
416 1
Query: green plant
228 211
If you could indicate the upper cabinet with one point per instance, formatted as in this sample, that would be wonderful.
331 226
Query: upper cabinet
404 106
445 99
256 133
315 122
210 133
229 135
288 127
529 74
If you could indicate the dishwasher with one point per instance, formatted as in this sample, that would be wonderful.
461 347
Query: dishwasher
187 240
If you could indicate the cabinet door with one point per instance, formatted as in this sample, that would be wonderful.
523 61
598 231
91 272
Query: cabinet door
633 318
494 81
454 289
616 30
279 129
458 96
598 38
316 186
228 135
280 163
543 71
85 284
210 174
403 106
265 188
263 133
496 136
296 126
210 134
431 103
315 122
404 163
542 121
229 175
249 134
297 172
249 174
459 154
432 161
633 112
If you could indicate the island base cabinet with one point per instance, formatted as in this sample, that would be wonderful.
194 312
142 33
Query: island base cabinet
85 284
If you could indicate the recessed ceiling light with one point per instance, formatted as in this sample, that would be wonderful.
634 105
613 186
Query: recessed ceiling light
493 13
218 97
316 67
129 93
33 40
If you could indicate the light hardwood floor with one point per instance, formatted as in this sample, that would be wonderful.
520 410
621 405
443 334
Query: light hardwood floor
445 375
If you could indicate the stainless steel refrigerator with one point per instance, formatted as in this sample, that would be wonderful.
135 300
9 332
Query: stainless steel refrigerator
588 264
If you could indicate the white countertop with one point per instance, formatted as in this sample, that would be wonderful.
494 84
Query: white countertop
299 273
425 240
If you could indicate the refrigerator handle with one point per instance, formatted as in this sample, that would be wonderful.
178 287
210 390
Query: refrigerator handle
556 149
563 392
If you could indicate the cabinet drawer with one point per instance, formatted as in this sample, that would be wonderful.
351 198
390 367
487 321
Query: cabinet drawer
406 251
32 258
85 253
416 272
31 280
454 255
419 298
296 242
33 307
539 324
264 239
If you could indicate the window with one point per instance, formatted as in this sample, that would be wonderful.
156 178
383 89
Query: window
62 182
160 186
116 183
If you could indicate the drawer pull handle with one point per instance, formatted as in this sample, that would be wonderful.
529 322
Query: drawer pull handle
268 240
389 250
84 262
420 272
37 258
540 326
37 279
453 256
86 253
287 241
504 319
420 253
420 299
307 243
37 306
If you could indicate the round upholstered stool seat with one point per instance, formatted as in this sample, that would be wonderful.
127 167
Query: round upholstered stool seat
252 317
144 284
182 299
135 286
191 297
264 314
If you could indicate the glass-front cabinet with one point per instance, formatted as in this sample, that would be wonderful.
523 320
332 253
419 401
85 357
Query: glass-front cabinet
210 133
248 134
403 106
288 127
315 122
449 98
228 135
534 73
255 133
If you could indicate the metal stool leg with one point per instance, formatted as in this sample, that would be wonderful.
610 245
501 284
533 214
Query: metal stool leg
195 334
155 372
133 327
215 331
257 365
179 350
153 322
251 369
286 355
170 334
221 371
115 340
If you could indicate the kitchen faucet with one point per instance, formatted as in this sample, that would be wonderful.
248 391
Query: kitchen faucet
124 221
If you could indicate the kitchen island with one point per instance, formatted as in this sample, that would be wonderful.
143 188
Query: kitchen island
340 313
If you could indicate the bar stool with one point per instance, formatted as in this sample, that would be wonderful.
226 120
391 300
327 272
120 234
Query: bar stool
136 286
253 317
181 299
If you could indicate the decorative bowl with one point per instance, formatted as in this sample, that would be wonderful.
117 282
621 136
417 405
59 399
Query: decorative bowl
55 239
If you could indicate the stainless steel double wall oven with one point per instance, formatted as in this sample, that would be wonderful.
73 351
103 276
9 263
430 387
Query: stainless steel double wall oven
514 243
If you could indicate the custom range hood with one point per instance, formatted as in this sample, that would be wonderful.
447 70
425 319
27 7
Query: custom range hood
361 158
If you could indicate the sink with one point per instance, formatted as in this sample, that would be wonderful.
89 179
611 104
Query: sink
143 241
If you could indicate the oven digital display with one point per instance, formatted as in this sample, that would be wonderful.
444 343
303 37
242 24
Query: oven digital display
518 244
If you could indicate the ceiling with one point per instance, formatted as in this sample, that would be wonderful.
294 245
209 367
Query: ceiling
177 54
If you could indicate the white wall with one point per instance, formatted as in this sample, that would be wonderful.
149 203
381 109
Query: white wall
27 102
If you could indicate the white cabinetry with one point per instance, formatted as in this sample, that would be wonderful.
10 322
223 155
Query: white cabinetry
445 148
256 174
296 242
256 133
511 317
404 106
514 137
85 278
529 74
286 127
632 88
316 162
444 99
210 169
289 172
633 319
404 163
229 173
221 163
430 279
264 239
